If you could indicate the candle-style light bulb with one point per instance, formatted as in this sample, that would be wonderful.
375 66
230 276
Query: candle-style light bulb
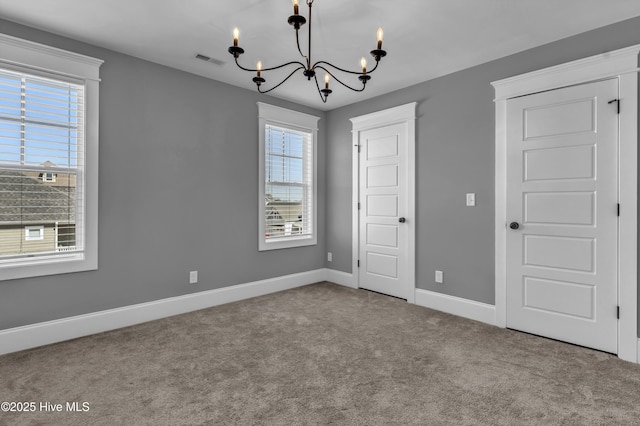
380 35
295 6
236 35
259 67
363 64
326 81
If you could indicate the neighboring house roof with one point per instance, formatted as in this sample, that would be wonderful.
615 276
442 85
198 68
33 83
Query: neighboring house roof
26 200
279 212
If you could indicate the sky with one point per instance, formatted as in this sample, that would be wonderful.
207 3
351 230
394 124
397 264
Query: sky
39 117
285 163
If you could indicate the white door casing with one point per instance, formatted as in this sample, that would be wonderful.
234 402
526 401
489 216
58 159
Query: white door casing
562 195
384 187
622 65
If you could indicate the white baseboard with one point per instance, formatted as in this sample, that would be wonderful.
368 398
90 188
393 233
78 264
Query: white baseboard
339 277
44 333
457 306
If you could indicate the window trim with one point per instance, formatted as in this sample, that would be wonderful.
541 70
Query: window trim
282 117
50 62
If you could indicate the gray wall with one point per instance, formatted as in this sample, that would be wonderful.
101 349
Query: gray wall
178 192
178 183
454 155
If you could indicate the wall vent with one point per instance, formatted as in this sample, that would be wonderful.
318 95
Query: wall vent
206 58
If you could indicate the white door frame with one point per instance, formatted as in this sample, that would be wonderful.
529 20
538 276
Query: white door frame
401 114
623 65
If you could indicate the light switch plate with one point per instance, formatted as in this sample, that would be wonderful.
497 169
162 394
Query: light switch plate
471 199
439 277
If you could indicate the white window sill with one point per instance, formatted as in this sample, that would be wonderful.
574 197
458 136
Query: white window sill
289 242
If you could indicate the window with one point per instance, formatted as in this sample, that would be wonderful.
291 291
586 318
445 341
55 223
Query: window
33 233
48 177
287 172
48 160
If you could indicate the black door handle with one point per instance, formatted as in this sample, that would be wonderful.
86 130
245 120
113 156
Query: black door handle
402 220
514 225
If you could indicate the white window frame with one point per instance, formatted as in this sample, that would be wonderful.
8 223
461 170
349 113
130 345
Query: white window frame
282 117
28 229
49 62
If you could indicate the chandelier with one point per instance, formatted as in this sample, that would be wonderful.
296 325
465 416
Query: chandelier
309 68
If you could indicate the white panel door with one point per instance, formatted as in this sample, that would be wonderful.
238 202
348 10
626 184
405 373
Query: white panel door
383 202
562 195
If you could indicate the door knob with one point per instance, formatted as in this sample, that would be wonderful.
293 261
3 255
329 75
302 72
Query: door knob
402 220
514 225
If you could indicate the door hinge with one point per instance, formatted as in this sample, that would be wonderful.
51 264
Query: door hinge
617 101
358 263
618 209
618 312
358 206
358 148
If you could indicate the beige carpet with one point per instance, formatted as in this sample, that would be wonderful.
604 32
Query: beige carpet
320 354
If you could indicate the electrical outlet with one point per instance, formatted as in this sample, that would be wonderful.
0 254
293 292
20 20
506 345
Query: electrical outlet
193 277
439 277
330 257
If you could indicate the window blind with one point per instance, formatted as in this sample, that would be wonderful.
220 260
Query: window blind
288 183
41 165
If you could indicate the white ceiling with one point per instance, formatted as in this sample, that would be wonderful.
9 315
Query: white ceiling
424 38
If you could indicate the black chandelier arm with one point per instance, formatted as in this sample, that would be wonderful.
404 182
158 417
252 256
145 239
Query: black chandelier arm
375 67
339 81
272 68
301 67
299 49
323 98
319 63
